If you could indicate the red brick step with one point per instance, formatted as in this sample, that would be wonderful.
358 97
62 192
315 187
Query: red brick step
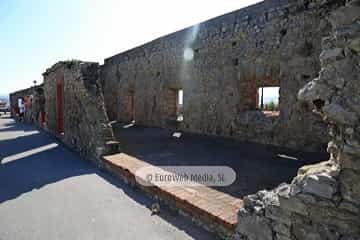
214 209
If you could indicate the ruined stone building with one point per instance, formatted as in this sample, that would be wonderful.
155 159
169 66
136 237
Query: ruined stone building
74 108
34 101
310 49
220 65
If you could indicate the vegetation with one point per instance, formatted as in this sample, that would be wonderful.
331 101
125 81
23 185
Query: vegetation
271 106
70 63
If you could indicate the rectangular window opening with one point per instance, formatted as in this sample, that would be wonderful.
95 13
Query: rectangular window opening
175 98
268 100
180 104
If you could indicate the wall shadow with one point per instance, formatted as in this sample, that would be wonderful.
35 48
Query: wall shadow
20 144
8 127
35 171
12 125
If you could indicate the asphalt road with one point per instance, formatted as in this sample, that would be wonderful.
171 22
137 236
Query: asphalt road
48 192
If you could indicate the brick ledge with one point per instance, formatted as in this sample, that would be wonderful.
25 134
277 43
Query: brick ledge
215 210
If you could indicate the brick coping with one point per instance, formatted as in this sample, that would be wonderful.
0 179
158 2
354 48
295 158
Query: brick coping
216 210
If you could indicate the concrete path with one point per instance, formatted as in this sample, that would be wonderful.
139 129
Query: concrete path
48 192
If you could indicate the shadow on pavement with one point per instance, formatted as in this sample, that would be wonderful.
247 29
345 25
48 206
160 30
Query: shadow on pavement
11 125
22 174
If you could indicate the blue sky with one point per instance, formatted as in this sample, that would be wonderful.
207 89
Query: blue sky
271 94
37 33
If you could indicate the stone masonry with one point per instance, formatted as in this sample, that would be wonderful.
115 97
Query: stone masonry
35 102
309 48
85 121
323 201
220 64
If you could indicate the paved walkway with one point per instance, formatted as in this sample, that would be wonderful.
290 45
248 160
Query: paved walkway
49 192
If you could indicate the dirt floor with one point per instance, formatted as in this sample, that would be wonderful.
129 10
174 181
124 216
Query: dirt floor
257 166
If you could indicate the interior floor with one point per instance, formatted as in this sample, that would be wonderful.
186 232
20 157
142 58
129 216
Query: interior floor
257 166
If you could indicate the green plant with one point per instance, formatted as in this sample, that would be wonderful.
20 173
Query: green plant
70 63
271 106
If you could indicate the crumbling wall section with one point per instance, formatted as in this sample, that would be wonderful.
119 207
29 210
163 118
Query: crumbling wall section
86 125
323 200
50 77
14 101
220 64
34 105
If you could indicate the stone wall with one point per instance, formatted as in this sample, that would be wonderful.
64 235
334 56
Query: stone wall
323 200
85 126
34 107
220 64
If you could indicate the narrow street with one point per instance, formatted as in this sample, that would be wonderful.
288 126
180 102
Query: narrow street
49 192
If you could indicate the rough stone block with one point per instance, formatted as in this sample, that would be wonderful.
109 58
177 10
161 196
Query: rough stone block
350 187
331 54
315 200
282 229
348 160
278 214
253 226
351 207
355 45
338 114
314 90
345 15
320 185
352 150
332 216
293 205
112 147
282 237
306 232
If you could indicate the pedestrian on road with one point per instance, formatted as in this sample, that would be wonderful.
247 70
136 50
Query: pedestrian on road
22 108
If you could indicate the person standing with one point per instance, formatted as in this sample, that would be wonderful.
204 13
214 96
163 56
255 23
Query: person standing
21 108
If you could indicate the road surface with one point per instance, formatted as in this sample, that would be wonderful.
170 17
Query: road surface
49 192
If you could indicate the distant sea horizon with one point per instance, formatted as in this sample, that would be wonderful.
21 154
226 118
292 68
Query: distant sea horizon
4 97
271 99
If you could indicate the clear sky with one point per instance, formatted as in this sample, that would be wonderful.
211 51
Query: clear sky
37 33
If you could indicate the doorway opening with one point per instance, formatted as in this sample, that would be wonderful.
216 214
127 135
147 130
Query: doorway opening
131 106
60 106
175 98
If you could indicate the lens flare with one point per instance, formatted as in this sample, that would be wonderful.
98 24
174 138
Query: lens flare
188 54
